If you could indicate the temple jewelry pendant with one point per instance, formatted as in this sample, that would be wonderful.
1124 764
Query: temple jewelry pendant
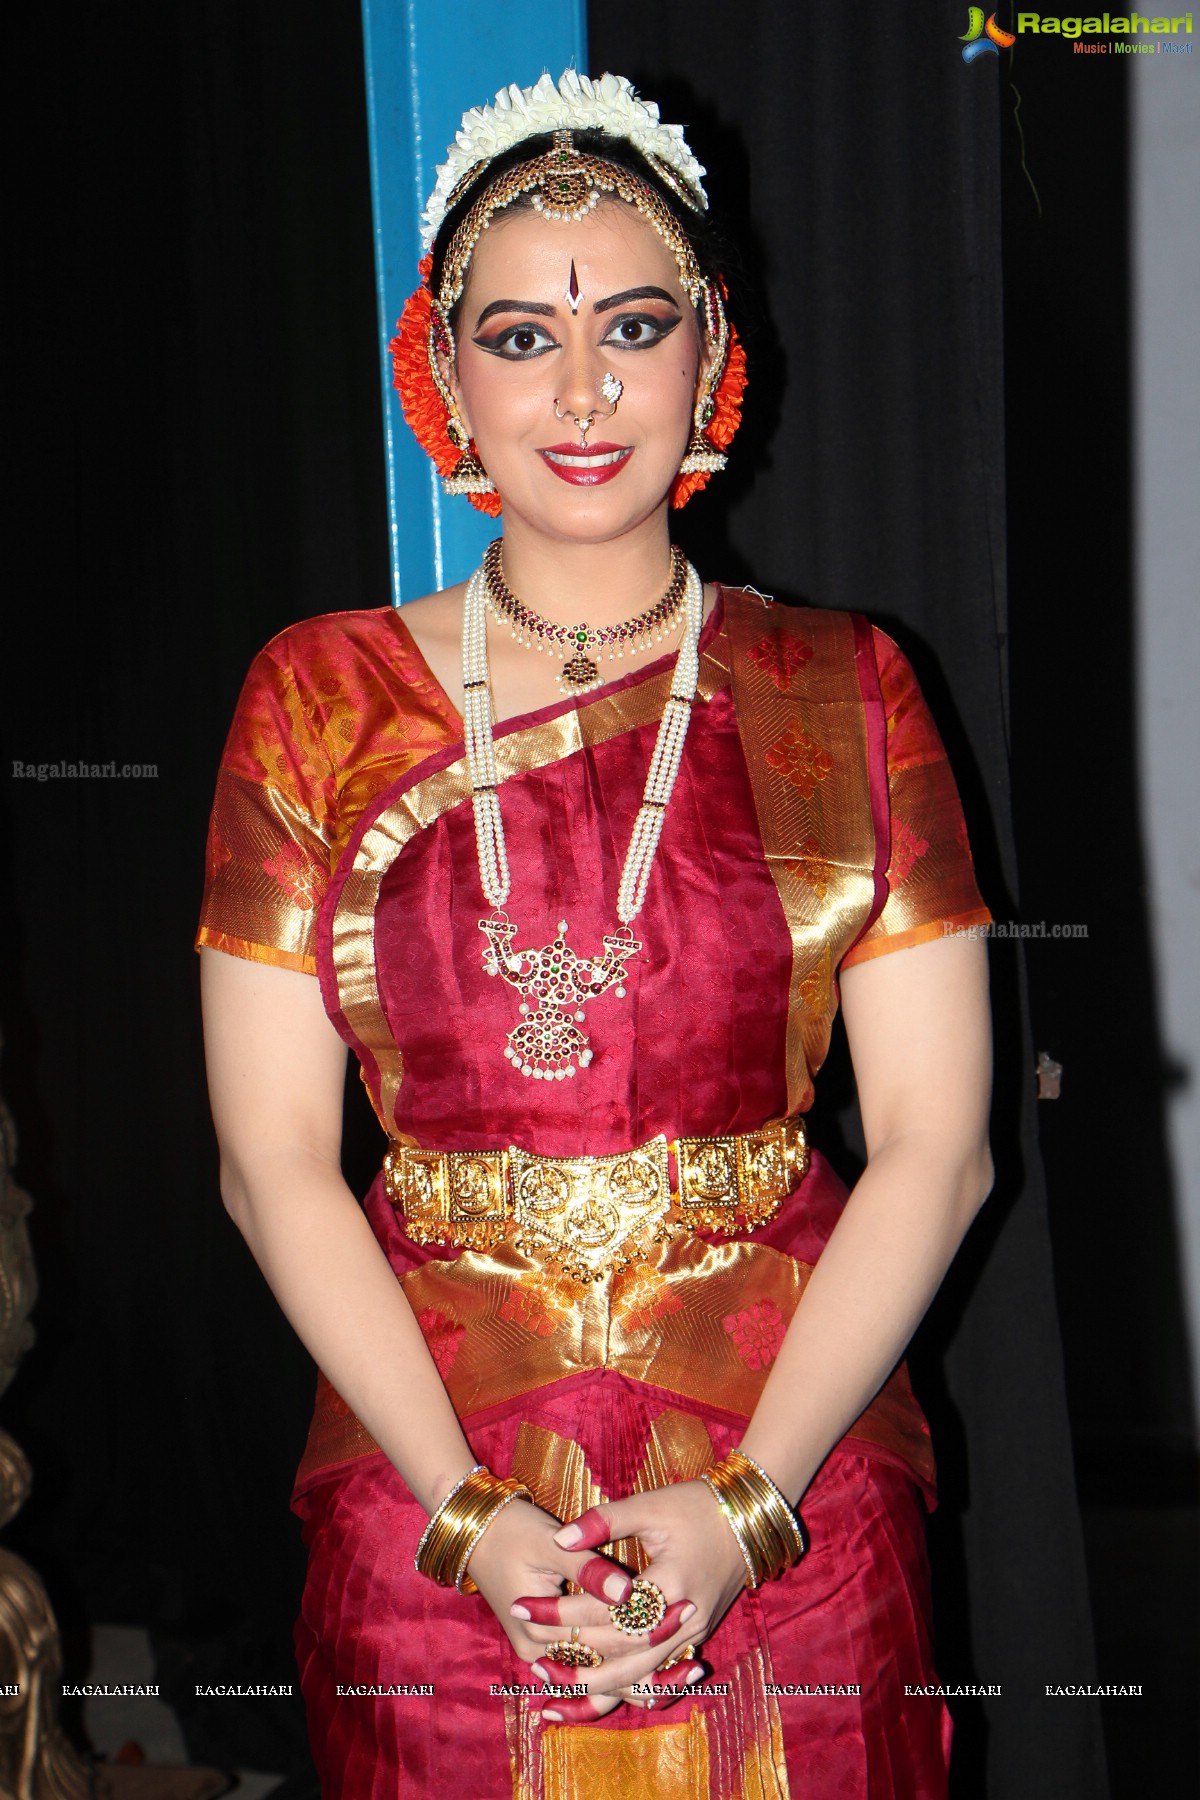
555 985
581 673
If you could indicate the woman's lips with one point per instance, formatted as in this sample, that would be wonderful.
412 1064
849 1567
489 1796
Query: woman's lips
586 467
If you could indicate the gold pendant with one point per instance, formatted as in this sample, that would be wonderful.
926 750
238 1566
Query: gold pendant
555 985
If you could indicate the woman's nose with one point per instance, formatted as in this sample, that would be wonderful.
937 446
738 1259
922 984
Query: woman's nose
581 375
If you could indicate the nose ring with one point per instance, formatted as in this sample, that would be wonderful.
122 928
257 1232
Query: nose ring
611 389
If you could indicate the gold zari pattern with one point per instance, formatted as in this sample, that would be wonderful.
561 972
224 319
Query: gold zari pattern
588 1216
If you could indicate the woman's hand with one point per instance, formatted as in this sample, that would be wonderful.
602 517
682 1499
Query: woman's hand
518 1556
694 1559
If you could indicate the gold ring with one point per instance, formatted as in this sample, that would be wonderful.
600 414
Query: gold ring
570 1654
644 1609
687 1654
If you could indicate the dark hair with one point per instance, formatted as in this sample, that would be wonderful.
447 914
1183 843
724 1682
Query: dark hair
713 249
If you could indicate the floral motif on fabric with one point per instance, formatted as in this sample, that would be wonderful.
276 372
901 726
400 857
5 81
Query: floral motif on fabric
291 869
217 853
539 1309
907 849
814 988
644 1296
814 867
800 759
779 655
442 1338
757 1332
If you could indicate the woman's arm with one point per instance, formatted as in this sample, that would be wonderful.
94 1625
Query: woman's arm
276 1068
919 1029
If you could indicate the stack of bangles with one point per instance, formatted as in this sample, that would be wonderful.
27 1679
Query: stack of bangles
455 1528
769 1535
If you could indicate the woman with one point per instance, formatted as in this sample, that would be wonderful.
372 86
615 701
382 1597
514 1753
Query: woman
585 927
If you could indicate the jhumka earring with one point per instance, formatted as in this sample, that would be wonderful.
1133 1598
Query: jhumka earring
468 476
700 456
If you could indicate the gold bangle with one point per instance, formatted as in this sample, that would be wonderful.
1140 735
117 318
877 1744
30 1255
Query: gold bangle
734 1524
458 1524
769 1535
438 1511
462 1581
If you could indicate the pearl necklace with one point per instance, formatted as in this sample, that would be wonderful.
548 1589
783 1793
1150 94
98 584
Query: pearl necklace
557 981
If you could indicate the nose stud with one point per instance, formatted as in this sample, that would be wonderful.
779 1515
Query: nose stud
611 389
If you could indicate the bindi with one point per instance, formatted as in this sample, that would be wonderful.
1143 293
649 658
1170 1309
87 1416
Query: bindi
574 293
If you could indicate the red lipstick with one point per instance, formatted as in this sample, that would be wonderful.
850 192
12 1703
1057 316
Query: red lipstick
586 465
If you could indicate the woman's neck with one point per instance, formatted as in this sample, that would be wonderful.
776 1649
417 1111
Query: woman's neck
596 584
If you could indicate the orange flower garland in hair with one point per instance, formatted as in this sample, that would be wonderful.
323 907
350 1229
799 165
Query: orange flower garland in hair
726 417
425 410
420 401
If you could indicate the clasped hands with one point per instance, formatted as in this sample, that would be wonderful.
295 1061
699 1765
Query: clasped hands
526 1556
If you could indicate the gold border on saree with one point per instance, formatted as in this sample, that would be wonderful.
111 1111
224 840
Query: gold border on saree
592 1215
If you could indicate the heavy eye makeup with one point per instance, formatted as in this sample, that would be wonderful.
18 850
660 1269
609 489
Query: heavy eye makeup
517 343
640 330
628 331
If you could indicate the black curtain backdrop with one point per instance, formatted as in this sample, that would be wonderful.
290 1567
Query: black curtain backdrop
194 370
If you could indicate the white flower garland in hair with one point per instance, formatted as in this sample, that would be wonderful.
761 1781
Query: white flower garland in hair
574 103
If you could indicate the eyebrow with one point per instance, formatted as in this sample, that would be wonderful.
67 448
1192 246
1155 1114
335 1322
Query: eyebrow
635 293
522 306
542 311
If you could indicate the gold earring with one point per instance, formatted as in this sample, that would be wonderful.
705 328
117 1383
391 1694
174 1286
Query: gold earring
468 476
700 457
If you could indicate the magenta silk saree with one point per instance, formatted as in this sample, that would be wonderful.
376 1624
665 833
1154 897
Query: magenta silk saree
814 823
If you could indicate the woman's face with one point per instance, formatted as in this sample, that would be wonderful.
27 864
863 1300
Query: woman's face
549 309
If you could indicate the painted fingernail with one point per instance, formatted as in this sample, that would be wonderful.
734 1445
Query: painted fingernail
695 1676
688 1612
617 1588
549 1713
539 1671
568 1536
519 1612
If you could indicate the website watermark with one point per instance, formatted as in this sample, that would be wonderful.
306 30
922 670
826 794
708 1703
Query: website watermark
83 771
1015 928
1105 34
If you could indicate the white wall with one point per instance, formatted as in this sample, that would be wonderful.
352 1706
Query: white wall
1165 130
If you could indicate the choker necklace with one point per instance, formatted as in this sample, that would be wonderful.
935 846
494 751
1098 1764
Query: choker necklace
581 644
554 983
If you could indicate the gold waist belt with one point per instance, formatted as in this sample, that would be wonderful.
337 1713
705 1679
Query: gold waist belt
590 1215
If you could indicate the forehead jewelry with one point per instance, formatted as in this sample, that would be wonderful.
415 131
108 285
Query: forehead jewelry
564 182
573 295
555 984
581 645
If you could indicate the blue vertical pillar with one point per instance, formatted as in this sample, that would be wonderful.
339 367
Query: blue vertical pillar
426 63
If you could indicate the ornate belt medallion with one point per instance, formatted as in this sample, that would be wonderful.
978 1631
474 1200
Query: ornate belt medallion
591 1213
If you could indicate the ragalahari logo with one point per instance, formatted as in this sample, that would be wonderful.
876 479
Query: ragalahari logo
983 38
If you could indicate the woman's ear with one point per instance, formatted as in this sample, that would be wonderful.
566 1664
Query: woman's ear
448 370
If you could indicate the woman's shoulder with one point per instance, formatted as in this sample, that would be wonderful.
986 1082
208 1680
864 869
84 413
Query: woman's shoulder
333 635
830 627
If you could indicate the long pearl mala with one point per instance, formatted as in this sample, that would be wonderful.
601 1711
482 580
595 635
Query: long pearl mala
664 764
660 780
481 749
